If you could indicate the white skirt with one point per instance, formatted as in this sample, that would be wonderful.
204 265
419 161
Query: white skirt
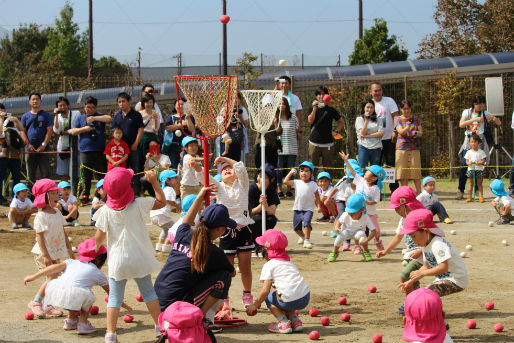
68 297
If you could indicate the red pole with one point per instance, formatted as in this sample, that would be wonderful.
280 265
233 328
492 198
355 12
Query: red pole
206 169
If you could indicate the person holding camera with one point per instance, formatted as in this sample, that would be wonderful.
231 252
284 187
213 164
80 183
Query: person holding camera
90 127
321 140
408 159
175 131
369 135
63 118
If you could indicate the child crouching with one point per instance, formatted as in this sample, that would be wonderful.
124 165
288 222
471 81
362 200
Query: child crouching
503 203
291 291
431 202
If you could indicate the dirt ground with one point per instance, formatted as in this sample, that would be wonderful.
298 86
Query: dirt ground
490 275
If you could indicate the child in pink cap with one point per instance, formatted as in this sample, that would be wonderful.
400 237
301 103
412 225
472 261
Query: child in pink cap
52 242
131 256
291 291
440 258
424 318
72 289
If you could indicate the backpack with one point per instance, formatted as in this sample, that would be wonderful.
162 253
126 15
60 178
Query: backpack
12 137
183 322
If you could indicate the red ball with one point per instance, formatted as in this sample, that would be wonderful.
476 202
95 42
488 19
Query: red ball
471 324
372 289
325 321
313 312
498 327
327 98
106 298
252 313
489 305
314 335
94 310
345 317
128 318
377 338
225 19
297 312
29 316
139 298
342 301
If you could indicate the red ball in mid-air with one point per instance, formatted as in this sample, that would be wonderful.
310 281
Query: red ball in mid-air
139 298
342 301
224 19
313 312
94 310
29 316
471 324
314 335
327 98
377 338
297 312
128 318
325 321
345 317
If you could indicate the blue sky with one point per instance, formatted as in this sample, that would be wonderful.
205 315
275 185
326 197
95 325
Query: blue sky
320 29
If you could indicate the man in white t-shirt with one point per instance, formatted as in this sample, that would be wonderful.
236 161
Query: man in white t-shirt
386 110
295 105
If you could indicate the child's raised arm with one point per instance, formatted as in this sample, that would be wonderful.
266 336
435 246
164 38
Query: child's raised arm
348 165
263 294
50 270
160 198
189 218
287 180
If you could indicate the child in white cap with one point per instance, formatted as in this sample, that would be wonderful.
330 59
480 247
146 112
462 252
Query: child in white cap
431 202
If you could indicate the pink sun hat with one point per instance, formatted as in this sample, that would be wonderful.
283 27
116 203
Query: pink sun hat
87 250
418 220
276 243
405 195
39 190
424 320
117 186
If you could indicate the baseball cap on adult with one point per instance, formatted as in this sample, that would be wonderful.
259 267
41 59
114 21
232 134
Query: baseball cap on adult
419 220
117 186
217 215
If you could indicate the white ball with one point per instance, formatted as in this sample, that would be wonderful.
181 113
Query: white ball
73 249
324 233
362 239
491 224
404 251
178 133
294 171
282 63
69 238
504 242
469 247
463 254
404 263
453 232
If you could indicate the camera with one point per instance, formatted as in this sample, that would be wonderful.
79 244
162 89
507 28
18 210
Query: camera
411 120
93 134
321 104
414 133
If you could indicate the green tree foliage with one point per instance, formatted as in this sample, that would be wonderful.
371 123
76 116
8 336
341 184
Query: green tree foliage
66 41
377 47
107 62
246 70
470 27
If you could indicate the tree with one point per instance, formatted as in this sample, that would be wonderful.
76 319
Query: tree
470 27
377 47
66 42
247 70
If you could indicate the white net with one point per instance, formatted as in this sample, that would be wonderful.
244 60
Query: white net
262 108
212 99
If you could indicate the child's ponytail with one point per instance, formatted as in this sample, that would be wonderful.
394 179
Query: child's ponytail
200 247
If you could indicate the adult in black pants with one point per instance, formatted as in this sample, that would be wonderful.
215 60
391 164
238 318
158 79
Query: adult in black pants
272 146
131 122
90 127
386 109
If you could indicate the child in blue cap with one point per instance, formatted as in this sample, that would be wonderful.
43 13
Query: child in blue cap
68 204
503 203
328 203
21 207
191 165
305 201
98 200
370 186
431 202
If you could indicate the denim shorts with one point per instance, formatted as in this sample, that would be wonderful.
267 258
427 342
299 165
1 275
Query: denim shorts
300 217
297 304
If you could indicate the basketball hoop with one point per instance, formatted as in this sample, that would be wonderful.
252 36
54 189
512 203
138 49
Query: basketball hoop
212 99
262 108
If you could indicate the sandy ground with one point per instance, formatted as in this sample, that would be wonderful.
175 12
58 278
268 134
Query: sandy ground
488 266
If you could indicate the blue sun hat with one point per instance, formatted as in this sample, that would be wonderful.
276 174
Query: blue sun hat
63 184
379 172
100 183
427 179
188 140
356 168
323 174
186 203
217 177
19 187
307 164
166 174
498 188
355 203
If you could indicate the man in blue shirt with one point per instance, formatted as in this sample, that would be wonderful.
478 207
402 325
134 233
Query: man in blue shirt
38 124
90 127
131 122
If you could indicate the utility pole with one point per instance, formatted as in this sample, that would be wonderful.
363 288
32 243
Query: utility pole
90 41
225 72
360 19
179 63
139 61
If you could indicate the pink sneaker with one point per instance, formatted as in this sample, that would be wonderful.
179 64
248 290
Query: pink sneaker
50 311
297 325
357 250
247 299
85 328
37 308
379 245
70 324
281 327
346 246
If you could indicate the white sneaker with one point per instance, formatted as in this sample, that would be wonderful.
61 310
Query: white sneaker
158 246
307 244
166 248
300 240
157 331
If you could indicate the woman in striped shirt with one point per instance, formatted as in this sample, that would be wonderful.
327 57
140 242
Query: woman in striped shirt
288 129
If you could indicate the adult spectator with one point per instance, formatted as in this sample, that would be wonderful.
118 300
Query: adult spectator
473 120
151 122
386 110
131 122
242 115
234 138
38 125
149 89
284 84
172 143
408 159
321 139
63 120
511 174
90 127
287 129
369 135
